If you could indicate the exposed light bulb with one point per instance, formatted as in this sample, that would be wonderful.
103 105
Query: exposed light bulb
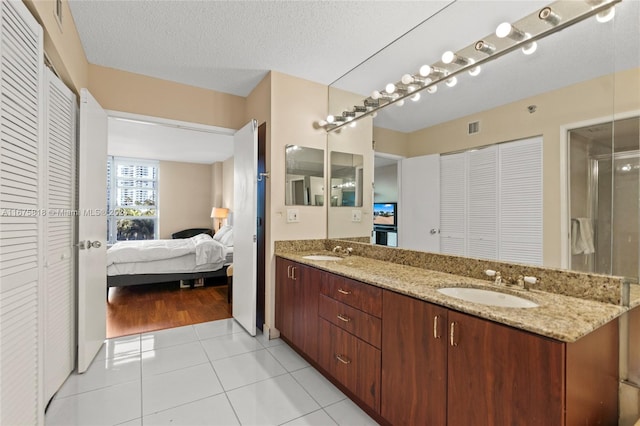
452 81
400 103
530 48
330 119
425 70
606 15
503 30
416 97
322 123
448 57
411 89
407 79
475 71
375 95
390 88
432 89
507 30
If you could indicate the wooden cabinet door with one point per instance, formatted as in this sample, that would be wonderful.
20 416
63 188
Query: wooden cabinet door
285 294
502 376
305 319
414 362
351 361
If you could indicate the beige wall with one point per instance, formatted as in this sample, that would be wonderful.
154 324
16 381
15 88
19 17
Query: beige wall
139 94
293 105
391 141
62 45
185 197
354 140
216 184
227 184
585 101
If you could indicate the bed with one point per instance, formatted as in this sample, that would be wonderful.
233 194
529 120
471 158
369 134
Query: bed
160 261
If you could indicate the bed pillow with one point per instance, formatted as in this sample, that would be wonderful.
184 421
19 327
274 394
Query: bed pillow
221 232
227 239
201 237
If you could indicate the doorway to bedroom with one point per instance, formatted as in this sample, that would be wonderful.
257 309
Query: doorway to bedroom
193 173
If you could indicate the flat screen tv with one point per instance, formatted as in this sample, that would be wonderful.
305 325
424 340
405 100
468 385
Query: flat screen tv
385 214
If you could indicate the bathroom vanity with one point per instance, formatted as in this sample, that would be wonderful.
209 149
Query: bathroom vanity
409 355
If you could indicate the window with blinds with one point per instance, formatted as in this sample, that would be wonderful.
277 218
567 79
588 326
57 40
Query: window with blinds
132 199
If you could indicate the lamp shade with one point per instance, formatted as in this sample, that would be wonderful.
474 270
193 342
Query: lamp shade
219 212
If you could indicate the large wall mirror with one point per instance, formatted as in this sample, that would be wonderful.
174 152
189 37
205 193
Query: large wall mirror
575 92
304 180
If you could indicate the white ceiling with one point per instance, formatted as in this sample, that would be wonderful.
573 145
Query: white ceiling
230 45
167 142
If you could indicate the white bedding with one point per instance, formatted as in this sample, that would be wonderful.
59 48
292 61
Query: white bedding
175 265
206 251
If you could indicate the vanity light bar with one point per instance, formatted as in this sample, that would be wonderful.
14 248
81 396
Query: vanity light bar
507 38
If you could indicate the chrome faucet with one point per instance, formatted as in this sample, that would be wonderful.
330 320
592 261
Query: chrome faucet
345 251
496 274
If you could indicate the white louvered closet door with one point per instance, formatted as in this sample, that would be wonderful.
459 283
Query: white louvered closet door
482 203
520 213
59 284
21 109
453 204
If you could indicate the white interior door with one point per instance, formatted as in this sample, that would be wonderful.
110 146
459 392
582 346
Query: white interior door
92 229
419 207
245 214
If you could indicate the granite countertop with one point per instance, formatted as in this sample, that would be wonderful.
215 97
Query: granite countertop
559 317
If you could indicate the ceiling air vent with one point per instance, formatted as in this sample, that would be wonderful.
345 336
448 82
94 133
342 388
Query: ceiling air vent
474 127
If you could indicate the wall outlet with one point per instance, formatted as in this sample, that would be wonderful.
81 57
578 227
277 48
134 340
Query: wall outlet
293 215
356 215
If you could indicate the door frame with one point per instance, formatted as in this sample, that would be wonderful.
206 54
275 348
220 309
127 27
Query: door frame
565 178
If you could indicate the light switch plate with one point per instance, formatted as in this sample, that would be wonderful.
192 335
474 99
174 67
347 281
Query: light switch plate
356 215
293 215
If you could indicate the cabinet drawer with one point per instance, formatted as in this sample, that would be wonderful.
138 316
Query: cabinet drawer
352 362
362 296
362 325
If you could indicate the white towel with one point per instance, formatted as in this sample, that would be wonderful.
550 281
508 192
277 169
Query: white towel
582 236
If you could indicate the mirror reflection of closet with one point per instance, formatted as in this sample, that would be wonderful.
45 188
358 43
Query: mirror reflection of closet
304 181
346 179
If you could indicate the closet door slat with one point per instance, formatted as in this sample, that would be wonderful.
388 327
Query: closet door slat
20 231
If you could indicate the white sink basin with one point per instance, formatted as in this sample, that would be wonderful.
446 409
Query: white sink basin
487 297
321 257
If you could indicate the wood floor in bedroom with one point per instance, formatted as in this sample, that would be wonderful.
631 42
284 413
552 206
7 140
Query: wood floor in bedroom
144 308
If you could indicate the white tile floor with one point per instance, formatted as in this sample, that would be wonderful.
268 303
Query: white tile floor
207 374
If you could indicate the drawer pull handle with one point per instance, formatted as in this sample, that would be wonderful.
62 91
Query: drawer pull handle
344 318
293 273
288 271
436 334
343 359
452 334
343 291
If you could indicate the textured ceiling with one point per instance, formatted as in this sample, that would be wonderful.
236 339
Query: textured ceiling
229 46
